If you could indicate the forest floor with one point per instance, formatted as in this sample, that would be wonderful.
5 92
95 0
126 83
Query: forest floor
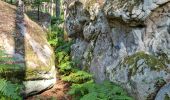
58 92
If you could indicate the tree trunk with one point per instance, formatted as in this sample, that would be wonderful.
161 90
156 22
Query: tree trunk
38 12
57 8
19 2
44 5
52 8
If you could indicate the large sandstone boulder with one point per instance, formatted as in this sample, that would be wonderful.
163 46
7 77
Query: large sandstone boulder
124 41
26 42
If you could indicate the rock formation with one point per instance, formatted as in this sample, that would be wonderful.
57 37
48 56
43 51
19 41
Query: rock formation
124 41
25 41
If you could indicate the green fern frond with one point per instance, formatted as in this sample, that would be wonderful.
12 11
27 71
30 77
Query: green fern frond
78 77
105 91
9 90
90 96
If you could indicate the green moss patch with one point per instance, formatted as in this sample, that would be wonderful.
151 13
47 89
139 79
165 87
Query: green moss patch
89 3
31 72
155 63
167 97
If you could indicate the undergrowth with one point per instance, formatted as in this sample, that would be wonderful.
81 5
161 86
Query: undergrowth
82 83
9 90
92 91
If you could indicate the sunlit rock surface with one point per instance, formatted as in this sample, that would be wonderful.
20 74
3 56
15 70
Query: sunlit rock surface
124 41
25 41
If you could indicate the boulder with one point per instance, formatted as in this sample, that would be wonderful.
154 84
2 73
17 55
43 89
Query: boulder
163 93
124 41
26 42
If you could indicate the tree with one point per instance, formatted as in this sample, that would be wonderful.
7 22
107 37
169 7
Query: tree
57 8
37 3
52 7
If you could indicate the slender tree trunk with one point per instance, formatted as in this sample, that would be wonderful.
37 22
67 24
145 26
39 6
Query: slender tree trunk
19 2
57 8
11 1
44 7
52 8
49 8
38 12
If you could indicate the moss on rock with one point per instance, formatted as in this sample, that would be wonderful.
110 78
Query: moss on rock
31 72
89 3
155 63
167 97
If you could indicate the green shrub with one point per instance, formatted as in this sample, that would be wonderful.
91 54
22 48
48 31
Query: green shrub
55 20
78 77
55 36
8 89
61 46
93 91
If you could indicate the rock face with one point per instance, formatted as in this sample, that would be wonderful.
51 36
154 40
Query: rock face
124 41
25 41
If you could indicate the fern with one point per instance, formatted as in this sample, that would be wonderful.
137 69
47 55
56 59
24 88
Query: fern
62 48
90 96
78 77
8 90
105 91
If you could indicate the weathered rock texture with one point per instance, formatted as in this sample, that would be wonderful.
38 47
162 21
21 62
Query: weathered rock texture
26 42
125 41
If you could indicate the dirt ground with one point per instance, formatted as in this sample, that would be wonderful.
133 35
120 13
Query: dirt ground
58 92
